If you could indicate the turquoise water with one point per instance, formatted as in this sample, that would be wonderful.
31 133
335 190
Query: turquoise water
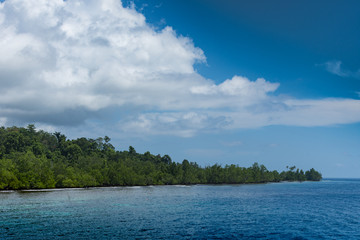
310 210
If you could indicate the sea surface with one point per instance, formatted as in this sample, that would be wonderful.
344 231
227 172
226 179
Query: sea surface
329 209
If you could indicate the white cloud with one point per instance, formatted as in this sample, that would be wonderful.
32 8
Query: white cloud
237 86
320 112
184 124
335 67
232 143
88 54
69 62
303 113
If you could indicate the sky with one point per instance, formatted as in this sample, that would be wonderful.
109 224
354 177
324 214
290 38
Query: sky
227 82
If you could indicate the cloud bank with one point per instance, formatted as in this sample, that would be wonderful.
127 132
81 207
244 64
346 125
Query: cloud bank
66 63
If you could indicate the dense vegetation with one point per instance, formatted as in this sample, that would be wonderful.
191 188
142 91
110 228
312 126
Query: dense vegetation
38 159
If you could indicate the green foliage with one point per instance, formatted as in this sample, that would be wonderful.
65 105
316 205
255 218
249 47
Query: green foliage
313 175
37 159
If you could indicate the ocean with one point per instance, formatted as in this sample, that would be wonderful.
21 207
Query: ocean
329 209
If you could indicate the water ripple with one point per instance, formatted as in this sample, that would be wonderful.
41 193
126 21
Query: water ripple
319 210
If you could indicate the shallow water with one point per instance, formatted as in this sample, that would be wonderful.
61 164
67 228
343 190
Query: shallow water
310 210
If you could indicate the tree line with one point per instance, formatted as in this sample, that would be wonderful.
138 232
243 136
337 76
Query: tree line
31 159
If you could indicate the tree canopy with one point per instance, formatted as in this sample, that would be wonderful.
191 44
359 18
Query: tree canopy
38 159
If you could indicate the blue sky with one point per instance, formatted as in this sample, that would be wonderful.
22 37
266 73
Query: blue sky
285 41
288 42
210 81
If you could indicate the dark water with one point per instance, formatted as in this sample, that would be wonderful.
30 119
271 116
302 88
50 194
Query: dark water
312 210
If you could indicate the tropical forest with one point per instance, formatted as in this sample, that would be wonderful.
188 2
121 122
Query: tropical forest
36 159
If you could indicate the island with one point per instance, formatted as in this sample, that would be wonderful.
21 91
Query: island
36 159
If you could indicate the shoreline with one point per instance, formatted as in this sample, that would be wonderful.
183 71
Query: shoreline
152 185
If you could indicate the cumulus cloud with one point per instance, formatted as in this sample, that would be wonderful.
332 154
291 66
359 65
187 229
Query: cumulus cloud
60 55
69 62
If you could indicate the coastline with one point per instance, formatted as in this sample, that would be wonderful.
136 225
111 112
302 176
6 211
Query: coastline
152 185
